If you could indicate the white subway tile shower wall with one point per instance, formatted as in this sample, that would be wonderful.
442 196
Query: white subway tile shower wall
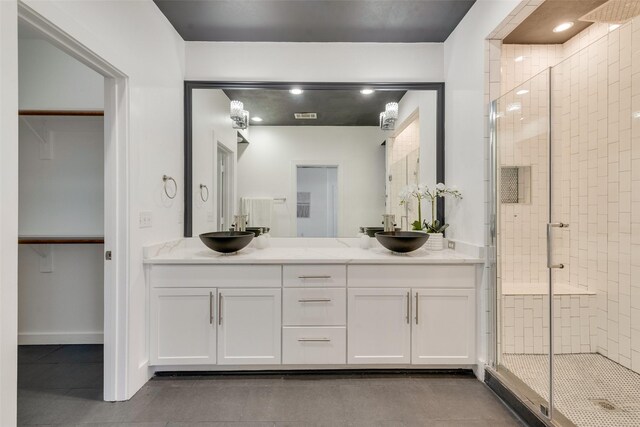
596 140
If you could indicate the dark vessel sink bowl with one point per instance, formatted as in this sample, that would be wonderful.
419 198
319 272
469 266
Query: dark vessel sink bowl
227 242
371 231
256 230
402 241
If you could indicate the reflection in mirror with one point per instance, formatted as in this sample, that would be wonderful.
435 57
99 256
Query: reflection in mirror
320 163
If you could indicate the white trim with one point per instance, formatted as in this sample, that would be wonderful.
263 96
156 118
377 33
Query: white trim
116 119
32 338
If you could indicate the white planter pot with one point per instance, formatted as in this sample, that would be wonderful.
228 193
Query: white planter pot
435 242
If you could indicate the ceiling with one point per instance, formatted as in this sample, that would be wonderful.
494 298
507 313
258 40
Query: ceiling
406 21
334 107
538 27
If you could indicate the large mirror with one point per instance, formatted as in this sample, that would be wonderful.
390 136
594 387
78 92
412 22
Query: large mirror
309 160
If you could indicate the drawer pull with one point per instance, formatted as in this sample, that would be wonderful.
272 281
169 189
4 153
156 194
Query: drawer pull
315 300
314 340
314 277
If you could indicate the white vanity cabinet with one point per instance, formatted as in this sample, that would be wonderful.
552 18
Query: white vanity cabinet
182 326
249 326
443 326
421 315
379 326
315 315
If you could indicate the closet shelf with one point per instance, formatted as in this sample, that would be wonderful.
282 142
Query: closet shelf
59 240
61 113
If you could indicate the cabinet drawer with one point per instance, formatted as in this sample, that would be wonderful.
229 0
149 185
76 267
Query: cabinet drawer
314 306
314 275
216 276
318 346
412 276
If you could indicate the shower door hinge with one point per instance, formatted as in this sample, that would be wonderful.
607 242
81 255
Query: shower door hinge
107 255
544 410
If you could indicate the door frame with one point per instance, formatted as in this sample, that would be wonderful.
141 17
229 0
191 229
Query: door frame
116 195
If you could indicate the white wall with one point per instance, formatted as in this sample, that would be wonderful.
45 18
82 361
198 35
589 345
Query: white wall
138 40
8 215
51 79
266 168
425 104
465 124
315 62
211 126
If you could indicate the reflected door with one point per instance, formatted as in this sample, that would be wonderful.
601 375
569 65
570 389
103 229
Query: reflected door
317 201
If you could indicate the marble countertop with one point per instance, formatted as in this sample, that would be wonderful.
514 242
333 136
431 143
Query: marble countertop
301 251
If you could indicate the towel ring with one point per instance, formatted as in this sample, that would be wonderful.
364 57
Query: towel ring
204 187
166 178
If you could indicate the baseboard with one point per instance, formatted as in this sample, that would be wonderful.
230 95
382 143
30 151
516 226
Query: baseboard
30 338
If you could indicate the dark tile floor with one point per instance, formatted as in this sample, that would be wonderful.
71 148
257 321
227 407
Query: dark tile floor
62 386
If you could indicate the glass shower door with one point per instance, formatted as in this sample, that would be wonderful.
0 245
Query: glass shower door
521 143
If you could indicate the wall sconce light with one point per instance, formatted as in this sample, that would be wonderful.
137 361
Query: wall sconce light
389 116
239 116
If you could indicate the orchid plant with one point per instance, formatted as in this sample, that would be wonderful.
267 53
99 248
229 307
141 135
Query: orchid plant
423 192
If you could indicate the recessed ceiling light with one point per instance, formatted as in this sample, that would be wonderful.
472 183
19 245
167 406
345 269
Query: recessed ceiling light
519 58
563 27
256 119
296 91
522 92
366 91
613 27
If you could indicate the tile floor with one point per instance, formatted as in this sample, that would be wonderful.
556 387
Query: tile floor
62 386
590 390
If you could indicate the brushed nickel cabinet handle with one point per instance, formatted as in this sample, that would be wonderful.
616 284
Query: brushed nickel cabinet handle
314 277
408 308
314 340
315 300
219 309
416 308
211 308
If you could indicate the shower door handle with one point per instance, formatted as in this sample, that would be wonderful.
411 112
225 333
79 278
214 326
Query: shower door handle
549 227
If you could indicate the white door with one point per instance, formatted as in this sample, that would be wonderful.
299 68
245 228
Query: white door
250 327
183 327
379 328
443 326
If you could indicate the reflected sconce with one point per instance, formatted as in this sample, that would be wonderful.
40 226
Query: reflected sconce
389 116
239 116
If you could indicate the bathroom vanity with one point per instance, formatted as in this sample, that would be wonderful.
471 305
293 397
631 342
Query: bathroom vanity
309 304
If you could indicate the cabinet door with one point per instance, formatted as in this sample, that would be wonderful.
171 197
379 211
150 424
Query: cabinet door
249 326
182 326
443 326
379 329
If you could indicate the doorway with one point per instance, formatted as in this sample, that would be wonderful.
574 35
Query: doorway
112 192
317 201
224 189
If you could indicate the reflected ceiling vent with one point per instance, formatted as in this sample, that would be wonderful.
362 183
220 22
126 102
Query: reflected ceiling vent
614 12
305 116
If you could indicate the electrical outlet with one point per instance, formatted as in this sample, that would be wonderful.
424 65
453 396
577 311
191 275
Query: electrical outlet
211 217
451 245
180 216
146 219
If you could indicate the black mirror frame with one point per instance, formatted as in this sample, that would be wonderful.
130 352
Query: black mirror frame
189 86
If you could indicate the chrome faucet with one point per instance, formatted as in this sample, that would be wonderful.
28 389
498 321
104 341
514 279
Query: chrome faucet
389 222
240 222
